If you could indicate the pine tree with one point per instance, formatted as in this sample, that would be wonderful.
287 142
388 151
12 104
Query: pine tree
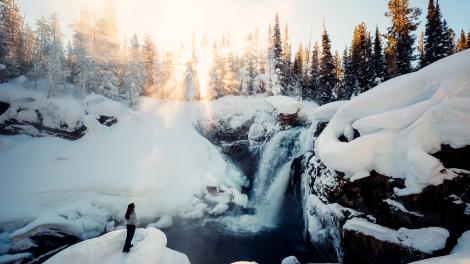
249 70
391 59
362 57
57 71
134 78
349 82
278 86
378 59
337 71
11 32
191 78
421 51
297 73
404 20
326 80
287 81
149 59
468 40
310 91
448 41
461 42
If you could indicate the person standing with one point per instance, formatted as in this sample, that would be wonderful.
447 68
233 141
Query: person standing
131 219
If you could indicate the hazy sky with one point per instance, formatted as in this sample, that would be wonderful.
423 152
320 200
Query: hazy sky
172 21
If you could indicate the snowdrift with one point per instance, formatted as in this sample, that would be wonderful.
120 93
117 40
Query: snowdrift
149 247
401 123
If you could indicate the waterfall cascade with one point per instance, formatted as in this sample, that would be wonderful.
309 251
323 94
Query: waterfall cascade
273 173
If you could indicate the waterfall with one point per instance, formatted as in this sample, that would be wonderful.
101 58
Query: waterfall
273 173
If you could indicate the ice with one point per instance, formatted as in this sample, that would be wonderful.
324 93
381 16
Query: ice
427 240
149 247
401 123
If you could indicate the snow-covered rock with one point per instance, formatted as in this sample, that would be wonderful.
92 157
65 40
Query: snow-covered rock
401 123
149 247
290 260
460 254
426 240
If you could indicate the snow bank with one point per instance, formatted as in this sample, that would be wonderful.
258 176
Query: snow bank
149 247
401 122
459 255
284 104
153 156
325 112
426 240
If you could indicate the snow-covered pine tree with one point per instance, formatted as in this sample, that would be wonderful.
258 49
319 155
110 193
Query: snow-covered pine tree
287 75
326 79
277 72
310 91
349 81
378 59
191 89
134 77
404 21
249 71
296 83
338 74
11 33
448 40
106 51
57 71
216 74
149 59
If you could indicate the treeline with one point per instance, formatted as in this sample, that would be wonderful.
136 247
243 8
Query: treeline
96 61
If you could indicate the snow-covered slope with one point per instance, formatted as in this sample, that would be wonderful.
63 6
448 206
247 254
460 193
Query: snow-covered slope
149 247
401 122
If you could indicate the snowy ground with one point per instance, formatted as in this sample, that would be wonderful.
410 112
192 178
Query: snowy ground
401 122
149 247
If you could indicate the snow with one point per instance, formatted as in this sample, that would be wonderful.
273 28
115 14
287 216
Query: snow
284 104
3 66
164 222
290 260
463 243
459 255
149 247
401 122
153 156
427 240
325 112
398 206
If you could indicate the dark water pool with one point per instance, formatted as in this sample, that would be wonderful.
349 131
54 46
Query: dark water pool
212 242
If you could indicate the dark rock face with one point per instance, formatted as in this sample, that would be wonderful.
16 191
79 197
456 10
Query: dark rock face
44 243
288 120
446 205
107 120
3 107
15 127
361 248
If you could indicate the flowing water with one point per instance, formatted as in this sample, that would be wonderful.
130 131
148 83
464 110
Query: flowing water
275 229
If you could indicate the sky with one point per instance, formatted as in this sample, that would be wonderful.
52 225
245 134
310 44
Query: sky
171 22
